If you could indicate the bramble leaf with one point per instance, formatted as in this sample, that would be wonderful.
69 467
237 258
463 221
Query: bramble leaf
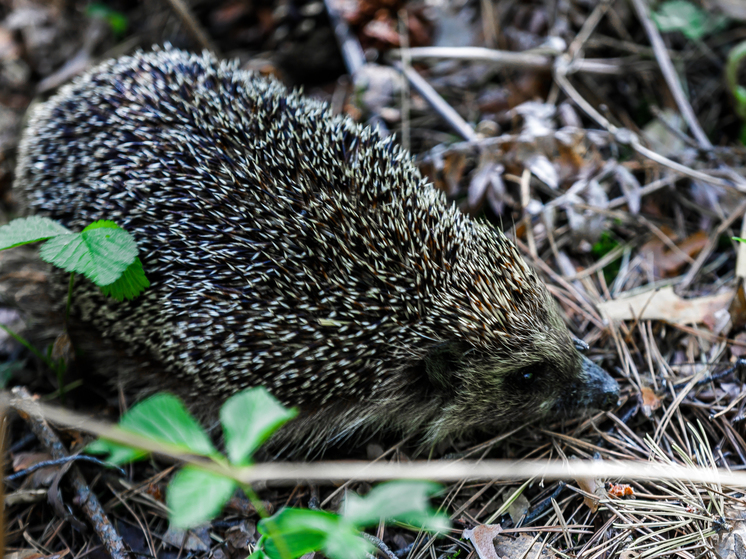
101 254
27 230
164 418
405 501
295 532
130 284
118 454
195 496
248 419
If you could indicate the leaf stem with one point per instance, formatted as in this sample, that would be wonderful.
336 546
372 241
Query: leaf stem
282 547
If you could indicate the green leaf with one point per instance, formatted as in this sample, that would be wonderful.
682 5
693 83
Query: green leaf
27 230
118 454
163 418
680 15
129 285
405 501
195 496
116 20
248 419
101 254
345 543
736 56
102 224
295 532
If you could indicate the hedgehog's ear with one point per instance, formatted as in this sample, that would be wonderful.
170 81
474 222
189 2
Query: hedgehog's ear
442 362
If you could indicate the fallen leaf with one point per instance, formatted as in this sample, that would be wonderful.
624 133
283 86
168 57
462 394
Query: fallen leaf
650 401
482 538
664 304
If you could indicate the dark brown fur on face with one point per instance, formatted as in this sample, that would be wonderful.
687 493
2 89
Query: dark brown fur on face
299 251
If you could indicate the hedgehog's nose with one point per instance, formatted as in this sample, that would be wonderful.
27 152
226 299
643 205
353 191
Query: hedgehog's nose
602 390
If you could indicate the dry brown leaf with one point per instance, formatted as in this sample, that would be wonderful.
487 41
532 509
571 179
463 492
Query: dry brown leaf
453 170
737 309
668 262
521 546
664 304
650 401
518 508
482 538
589 486
739 350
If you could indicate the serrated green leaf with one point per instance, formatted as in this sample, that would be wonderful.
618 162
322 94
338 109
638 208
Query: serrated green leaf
101 224
129 285
27 230
404 501
248 419
295 532
164 418
101 254
117 454
346 543
195 496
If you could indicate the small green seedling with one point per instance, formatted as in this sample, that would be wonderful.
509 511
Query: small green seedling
249 418
103 252
690 20
736 58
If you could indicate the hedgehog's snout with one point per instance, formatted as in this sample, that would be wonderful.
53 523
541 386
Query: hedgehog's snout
594 389
601 391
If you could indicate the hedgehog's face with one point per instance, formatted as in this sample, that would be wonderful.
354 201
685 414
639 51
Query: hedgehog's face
542 375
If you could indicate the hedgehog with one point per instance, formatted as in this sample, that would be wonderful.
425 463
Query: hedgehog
300 251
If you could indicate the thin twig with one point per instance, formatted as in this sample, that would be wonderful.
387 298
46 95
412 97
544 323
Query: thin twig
193 26
711 244
669 74
438 103
442 471
352 52
625 136
34 413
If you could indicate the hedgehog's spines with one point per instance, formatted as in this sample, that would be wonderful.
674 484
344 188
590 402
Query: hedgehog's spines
291 248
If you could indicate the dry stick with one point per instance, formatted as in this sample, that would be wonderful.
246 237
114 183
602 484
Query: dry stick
535 59
665 239
291 473
438 103
35 417
407 62
352 52
669 74
627 137
192 25
711 243
524 60
588 28
654 186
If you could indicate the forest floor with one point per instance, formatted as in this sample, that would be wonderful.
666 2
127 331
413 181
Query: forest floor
607 138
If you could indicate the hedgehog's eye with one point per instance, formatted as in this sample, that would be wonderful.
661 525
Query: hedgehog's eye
527 377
